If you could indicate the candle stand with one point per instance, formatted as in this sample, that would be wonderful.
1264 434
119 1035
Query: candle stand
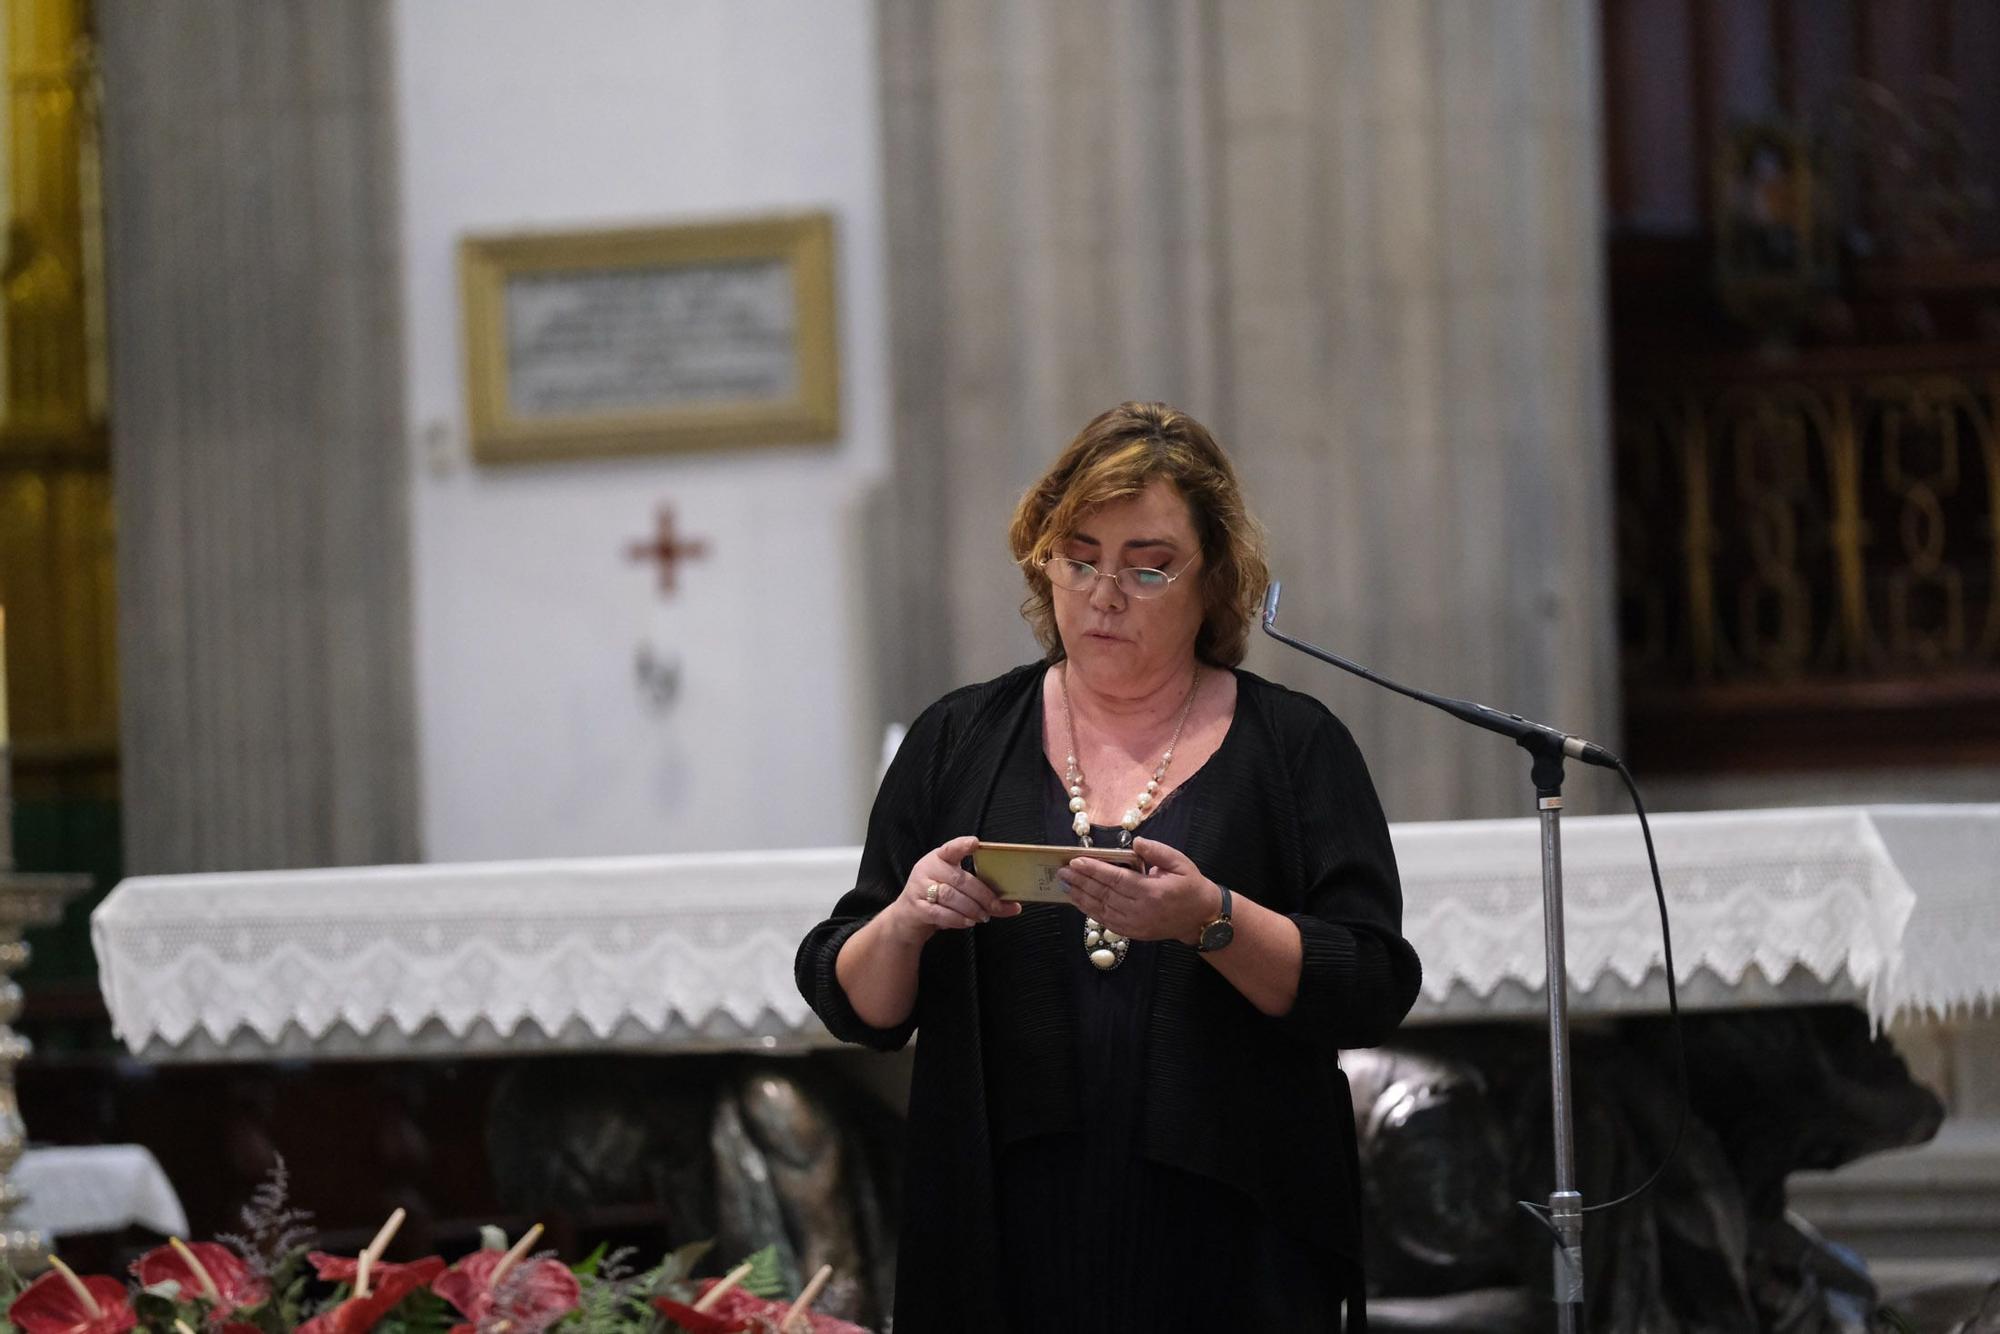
25 901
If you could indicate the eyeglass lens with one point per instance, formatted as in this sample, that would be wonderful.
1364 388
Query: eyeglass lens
1133 581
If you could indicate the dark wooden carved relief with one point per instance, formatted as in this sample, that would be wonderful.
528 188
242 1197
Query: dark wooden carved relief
1804 260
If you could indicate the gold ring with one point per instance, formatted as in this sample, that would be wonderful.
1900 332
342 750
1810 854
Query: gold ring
932 891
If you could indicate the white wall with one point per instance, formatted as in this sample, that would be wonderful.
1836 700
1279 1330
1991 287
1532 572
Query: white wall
535 738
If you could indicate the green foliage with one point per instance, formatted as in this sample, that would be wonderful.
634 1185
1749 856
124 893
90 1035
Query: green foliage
766 1278
614 1300
157 1307
11 1284
274 1232
422 1312
678 1266
588 1266
285 1310
673 1276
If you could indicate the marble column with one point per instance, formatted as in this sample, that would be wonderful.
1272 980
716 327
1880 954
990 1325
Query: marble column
1361 240
257 434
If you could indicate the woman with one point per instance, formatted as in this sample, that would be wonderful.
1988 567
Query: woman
1127 1114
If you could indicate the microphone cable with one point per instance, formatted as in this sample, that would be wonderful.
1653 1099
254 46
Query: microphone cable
1539 739
1540 1212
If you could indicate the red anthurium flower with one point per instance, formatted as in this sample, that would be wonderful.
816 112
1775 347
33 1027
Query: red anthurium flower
61 1303
699 1322
342 1268
737 1310
203 1269
535 1293
388 1286
733 1311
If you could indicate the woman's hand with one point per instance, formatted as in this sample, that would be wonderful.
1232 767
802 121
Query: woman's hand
1169 900
960 900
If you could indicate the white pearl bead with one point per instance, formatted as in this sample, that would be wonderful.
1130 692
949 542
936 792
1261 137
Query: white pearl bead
1092 939
1131 820
1069 759
1104 959
1145 800
1081 824
1076 803
1153 786
1076 790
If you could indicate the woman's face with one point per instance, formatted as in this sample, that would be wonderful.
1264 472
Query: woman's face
1121 643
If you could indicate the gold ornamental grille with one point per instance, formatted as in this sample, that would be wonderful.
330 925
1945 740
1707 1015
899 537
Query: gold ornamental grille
56 528
1812 536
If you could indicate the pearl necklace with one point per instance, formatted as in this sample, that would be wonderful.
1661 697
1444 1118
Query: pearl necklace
1106 948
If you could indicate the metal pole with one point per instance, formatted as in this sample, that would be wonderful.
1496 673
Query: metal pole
1548 748
1565 1204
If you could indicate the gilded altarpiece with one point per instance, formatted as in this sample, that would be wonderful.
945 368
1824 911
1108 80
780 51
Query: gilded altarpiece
56 525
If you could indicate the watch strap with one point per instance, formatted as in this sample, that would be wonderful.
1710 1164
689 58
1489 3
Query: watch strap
1221 919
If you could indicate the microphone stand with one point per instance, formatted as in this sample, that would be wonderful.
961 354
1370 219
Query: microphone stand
1547 748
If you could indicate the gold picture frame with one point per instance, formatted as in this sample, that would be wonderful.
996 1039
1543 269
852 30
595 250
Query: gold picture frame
650 339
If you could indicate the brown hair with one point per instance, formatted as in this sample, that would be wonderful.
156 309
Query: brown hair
1119 454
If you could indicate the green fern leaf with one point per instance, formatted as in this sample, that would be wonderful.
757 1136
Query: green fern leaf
766 1277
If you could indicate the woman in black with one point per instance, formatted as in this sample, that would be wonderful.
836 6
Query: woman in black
1127 1114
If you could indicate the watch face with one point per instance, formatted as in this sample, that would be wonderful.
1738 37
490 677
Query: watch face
1215 935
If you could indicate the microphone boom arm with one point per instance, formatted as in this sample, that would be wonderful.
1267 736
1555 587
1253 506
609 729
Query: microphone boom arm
1546 747
1536 738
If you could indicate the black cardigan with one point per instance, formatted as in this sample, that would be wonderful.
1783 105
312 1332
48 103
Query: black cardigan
1289 819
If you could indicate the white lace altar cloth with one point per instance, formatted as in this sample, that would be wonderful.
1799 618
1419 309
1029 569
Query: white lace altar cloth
1897 907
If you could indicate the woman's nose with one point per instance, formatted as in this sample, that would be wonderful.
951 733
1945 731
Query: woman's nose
1105 595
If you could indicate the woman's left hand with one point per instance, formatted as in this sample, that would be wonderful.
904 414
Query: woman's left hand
1170 899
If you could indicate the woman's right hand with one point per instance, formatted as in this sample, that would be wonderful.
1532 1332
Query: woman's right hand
961 899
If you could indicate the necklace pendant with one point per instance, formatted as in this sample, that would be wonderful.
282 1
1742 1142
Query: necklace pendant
1106 948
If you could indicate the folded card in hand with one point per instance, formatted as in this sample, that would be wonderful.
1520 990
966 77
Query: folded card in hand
1026 872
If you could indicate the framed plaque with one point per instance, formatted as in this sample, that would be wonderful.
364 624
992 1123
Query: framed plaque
645 339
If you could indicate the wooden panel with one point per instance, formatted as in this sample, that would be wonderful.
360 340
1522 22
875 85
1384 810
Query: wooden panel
1879 675
1976 59
1649 133
1747 70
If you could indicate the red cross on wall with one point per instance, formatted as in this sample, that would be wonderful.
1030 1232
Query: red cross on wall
667 549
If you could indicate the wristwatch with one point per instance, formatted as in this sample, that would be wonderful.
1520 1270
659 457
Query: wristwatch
1219 932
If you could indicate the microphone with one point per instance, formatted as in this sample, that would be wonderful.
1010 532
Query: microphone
1533 737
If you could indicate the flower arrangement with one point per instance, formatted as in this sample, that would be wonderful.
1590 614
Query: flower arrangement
262 1283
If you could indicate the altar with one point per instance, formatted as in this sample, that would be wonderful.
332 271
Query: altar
1895 908
524 1008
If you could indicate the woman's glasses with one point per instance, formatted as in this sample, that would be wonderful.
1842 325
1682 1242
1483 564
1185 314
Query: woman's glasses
1134 581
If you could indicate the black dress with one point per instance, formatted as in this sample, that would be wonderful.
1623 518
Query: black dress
1253 1108
1094 1235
